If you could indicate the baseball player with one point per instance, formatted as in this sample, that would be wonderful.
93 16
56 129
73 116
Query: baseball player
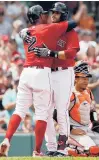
63 80
82 102
82 140
35 85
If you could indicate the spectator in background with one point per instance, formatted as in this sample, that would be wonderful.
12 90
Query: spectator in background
86 35
5 27
85 21
12 48
19 64
9 100
4 60
2 87
16 68
16 10
86 42
91 54
17 27
94 84
8 80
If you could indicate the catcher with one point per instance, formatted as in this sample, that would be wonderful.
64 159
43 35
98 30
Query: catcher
83 140
82 104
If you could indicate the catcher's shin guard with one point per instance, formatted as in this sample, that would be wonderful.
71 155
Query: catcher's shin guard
94 151
76 151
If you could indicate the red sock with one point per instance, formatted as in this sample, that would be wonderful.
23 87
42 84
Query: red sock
13 125
40 129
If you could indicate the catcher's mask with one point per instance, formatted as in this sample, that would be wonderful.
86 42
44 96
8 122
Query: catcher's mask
81 69
34 13
61 8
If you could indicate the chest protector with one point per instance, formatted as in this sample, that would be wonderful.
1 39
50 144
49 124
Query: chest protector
80 106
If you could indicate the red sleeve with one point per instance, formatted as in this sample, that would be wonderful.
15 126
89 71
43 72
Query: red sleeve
71 53
72 40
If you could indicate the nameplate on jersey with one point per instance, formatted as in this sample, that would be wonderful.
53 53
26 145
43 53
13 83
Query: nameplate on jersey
61 43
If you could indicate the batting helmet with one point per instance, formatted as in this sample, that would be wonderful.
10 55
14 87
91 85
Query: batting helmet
82 67
62 8
34 13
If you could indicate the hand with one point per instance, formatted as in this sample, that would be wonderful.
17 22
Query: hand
42 52
45 52
25 35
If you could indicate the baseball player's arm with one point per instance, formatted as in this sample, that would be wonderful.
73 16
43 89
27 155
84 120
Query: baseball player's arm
25 35
45 52
71 24
70 53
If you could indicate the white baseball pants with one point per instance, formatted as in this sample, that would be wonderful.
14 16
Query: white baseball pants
62 84
35 87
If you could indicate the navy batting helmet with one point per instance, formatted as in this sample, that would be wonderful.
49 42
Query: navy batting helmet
62 8
34 13
82 67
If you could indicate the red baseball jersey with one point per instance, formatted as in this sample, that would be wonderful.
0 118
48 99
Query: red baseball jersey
67 41
47 34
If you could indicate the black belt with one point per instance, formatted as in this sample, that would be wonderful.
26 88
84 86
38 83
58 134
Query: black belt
58 69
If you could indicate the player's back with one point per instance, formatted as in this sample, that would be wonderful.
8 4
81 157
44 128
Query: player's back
35 40
39 35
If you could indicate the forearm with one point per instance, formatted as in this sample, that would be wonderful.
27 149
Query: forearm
78 15
10 106
65 54
70 53
93 85
1 96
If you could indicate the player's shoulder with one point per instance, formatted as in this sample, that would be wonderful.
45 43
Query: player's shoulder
72 31
31 28
57 24
41 27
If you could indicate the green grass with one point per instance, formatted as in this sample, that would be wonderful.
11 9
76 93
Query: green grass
46 158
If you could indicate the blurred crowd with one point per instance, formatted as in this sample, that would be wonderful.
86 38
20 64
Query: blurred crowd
13 19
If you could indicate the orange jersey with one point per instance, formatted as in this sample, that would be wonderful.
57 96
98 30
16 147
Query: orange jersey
87 23
68 40
80 106
47 34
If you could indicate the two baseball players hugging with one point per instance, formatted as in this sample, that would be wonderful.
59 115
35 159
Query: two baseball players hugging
47 78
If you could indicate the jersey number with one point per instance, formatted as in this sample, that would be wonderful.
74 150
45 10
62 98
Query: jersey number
32 42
